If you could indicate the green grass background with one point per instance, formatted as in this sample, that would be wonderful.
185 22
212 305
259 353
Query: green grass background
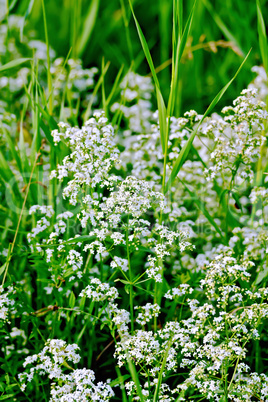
107 31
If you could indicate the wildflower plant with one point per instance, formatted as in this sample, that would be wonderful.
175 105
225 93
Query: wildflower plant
138 267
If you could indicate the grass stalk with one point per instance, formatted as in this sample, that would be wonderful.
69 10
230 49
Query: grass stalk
49 78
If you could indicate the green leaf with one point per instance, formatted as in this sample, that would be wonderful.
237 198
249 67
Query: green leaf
9 396
51 121
47 132
2 268
115 86
160 101
262 37
186 148
13 64
13 150
26 15
88 26
160 376
262 274
135 378
72 300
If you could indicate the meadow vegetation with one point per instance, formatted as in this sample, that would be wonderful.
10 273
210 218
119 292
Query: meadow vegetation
133 201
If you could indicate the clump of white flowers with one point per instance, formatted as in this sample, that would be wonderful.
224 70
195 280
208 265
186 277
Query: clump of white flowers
7 302
93 154
77 385
239 137
209 342
98 291
169 290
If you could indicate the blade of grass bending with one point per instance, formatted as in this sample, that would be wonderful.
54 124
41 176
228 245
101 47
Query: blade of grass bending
13 63
88 26
186 148
222 26
204 210
160 101
262 37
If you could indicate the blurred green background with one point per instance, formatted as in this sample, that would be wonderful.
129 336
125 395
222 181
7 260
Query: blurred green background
222 34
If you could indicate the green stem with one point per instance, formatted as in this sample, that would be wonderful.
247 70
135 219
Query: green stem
131 295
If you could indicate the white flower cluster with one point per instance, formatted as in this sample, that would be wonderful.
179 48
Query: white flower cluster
78 385
98 291
200 343
133 197
7 303
120 263
182 290
238 138
147 312
94 154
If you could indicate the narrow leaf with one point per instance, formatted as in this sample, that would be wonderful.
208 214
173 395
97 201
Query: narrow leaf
135 378
115 86
262 37
13 63
181 43
160 101
88 26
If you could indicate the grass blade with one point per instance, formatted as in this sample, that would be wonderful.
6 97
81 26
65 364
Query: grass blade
88 26
160 101
49 77
186 148
115 85
181 43
262 37
13 63
26 15
160 377
96 88
126 24
135 378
